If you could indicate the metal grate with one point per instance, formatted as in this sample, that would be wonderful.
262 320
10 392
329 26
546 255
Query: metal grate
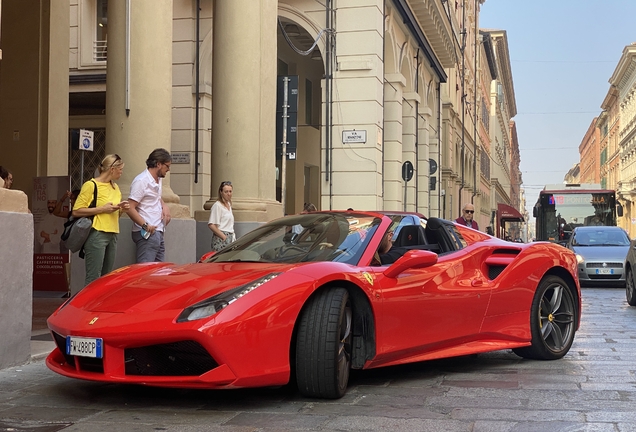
92 159
185 358
604 277
495 270
604 265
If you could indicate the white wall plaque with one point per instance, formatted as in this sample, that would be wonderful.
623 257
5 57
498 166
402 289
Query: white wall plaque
354 136
180 157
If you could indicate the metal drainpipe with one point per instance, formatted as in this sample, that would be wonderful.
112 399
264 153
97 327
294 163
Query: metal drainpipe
439 148
463 105
196 118
127 84
383 92
417 118
475 116
329 96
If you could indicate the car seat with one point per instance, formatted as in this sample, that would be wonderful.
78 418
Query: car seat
410 235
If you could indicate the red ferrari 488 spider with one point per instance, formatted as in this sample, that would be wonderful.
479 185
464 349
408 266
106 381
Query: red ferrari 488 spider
306 298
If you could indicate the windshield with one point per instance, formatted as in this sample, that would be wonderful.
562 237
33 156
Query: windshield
311 237
563 212
600 237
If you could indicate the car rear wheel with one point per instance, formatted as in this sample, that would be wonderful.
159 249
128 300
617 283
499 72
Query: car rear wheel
630 287
323 345
552 321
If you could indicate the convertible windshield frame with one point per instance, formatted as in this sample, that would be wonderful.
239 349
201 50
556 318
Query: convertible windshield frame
313 237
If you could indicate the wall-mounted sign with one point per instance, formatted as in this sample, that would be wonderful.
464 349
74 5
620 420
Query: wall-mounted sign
180 157
354 136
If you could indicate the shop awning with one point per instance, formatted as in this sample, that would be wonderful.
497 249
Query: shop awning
507 213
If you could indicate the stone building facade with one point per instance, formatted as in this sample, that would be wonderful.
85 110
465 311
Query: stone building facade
413 80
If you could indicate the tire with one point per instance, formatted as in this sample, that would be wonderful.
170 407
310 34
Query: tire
630 287
553 319
323 345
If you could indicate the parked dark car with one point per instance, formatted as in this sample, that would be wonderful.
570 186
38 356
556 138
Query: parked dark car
600 253
630 274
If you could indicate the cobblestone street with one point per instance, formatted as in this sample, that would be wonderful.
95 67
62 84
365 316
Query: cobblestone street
592 389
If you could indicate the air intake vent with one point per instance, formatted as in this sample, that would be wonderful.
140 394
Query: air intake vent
494 271
185 358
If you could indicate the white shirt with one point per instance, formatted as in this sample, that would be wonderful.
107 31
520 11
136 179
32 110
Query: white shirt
221 216
147 192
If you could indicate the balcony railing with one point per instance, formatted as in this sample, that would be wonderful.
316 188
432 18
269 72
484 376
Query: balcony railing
100 50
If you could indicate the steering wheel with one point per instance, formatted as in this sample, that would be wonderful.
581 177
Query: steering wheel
287 251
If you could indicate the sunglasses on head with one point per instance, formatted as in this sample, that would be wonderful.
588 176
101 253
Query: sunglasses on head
226 183
469 211
117 158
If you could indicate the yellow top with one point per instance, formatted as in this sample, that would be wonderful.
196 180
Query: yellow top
106 193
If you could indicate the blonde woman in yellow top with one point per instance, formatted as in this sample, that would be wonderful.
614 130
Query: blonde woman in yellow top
101 245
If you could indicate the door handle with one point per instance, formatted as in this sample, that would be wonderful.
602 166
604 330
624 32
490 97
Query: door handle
477 283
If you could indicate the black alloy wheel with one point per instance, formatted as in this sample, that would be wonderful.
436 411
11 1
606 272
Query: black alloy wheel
553 319
323 345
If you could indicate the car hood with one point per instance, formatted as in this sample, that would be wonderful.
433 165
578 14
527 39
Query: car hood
161 286
602 253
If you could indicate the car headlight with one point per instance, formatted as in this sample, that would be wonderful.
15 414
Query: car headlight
209 307
579 259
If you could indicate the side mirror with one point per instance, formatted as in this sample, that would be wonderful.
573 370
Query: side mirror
413 259
205 256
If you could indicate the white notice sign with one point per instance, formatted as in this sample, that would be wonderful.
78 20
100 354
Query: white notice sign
354 136
86 140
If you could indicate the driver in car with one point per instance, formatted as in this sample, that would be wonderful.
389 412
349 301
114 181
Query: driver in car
387 252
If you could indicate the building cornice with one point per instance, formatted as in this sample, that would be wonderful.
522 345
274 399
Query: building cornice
504 68
438 28
426 29
625 69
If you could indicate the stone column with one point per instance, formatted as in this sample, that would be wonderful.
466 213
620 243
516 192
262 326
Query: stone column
244 100
139 89
409 113
393 183
425 202
57 86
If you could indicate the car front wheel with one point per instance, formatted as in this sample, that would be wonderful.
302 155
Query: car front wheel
552 321
323 345
630 287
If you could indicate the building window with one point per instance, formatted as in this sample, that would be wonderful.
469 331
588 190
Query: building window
485 115
101 31
93 34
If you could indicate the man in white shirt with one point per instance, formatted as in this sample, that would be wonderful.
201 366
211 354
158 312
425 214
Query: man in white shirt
148 212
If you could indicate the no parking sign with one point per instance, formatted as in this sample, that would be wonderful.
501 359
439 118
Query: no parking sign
86 140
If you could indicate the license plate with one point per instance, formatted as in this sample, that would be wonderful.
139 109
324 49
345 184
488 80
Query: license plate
84 347
604 271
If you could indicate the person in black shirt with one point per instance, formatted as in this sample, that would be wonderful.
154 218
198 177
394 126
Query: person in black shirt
387 252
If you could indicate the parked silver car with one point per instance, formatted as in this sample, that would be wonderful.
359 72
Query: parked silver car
601 252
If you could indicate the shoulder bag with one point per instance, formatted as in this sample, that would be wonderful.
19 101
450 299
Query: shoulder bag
76 230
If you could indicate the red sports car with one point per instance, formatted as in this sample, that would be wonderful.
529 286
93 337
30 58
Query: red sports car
306 298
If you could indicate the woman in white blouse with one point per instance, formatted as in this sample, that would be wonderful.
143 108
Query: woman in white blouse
221 221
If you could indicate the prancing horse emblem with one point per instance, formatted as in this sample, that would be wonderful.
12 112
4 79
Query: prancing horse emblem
93 321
